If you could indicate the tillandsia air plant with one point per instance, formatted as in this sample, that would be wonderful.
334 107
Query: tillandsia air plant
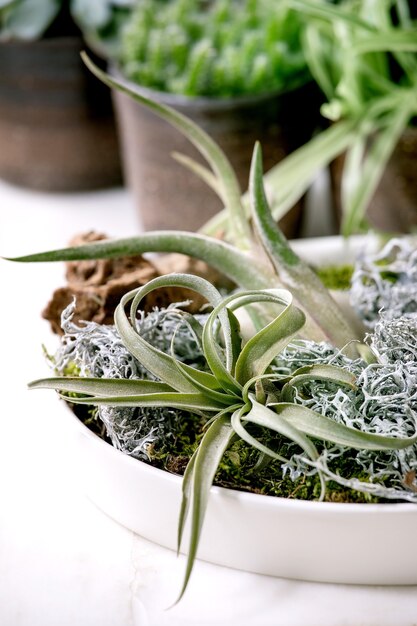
220 48
252 251
314 407
363 56
244 385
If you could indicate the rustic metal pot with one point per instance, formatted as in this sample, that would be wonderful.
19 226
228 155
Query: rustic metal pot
168 195
394 205
56 122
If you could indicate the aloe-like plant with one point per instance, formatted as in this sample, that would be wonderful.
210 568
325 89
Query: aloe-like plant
102 23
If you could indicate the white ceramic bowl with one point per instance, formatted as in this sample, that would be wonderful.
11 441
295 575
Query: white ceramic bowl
327 542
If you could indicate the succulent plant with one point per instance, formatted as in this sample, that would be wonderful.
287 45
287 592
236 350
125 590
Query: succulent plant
220 48
259 257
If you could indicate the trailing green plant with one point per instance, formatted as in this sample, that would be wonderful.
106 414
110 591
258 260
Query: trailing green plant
363 56
219 48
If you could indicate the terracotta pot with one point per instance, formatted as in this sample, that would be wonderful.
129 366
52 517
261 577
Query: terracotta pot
168 195
394 205
56 119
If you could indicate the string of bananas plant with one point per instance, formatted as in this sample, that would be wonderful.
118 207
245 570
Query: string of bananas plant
220 48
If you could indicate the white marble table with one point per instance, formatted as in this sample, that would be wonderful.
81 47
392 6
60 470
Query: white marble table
63 562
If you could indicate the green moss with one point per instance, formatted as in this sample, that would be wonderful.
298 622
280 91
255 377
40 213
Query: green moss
177 448
71 370
237 471
337 277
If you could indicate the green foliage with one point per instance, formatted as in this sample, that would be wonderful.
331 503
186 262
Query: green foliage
100 20
237 470
363 56
336 277
221 48
26 19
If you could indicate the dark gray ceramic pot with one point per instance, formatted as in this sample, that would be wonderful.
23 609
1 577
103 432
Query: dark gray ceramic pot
57 131
169 196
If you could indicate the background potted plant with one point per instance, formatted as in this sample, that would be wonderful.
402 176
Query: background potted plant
54 119
235 391
237 69
363 57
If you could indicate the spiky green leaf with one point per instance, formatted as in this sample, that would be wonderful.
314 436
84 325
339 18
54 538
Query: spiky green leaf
101 386
214 444
220 164
326 429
